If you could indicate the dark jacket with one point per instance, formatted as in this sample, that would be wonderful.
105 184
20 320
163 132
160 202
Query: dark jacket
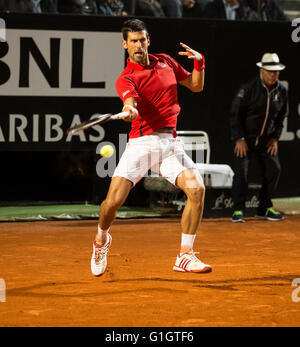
216 10
253 106
32 6
113 8
270 11
77 7
247 11
150 9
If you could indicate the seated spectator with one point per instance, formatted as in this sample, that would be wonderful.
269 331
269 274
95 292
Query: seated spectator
225 9
249 10
49 6
150 8
111 8
265 10
195 11
174 8
29 6
77 6
129 7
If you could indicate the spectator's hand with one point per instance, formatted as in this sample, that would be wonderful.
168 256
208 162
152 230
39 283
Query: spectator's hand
188 3
241 148
272 147
190 53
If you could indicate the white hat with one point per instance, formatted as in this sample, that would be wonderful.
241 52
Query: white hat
270 62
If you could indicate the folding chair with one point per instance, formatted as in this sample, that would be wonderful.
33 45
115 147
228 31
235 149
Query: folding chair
197 142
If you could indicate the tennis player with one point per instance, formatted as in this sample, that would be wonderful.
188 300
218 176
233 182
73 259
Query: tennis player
148 89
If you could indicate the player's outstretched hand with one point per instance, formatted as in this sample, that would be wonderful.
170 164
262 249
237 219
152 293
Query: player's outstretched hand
190 53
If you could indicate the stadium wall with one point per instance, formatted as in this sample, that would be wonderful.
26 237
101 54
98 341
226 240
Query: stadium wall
56 70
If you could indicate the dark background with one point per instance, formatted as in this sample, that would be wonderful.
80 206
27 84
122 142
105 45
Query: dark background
64 172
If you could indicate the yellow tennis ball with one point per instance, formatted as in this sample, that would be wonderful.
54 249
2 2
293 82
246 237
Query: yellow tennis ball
107 151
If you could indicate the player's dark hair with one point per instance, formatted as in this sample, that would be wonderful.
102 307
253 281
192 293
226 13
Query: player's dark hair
133 25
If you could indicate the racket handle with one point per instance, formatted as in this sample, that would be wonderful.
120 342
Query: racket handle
120 115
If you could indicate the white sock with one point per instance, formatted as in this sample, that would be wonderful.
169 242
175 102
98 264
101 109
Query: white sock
187 241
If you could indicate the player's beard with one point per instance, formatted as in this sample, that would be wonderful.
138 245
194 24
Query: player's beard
140 58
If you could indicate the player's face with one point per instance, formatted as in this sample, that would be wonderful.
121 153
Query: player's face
137 44
269 77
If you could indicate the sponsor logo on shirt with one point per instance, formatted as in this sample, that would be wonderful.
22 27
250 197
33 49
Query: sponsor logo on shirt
125 93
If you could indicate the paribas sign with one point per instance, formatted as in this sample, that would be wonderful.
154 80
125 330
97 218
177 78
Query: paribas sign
48 128
53 80
60 63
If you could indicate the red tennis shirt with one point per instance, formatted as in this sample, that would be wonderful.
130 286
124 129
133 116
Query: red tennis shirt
154 87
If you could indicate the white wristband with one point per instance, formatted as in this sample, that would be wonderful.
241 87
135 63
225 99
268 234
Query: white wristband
132 109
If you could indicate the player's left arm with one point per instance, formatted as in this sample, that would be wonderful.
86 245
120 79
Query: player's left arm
195 82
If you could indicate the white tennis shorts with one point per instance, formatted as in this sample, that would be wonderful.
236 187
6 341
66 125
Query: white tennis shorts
161 153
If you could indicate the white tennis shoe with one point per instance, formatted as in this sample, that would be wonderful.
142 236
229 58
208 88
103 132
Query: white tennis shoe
188 262
99 257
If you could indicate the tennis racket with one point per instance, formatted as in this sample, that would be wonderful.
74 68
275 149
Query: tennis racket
100 119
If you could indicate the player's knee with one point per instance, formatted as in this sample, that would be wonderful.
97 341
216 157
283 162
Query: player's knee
196 195
112 203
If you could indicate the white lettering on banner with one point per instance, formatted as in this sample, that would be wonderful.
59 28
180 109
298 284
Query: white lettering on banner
99 129
35 132
2 30
20 128
296 32
76 120
61 63
2 139
51 127
286 135
25 129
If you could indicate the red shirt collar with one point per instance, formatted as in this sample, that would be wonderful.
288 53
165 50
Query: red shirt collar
139 67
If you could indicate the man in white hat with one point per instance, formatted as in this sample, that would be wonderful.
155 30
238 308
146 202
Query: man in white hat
257 115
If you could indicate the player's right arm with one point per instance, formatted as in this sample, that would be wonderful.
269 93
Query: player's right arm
130 105
126 89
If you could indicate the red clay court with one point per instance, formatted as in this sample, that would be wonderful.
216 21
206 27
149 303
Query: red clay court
46 268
